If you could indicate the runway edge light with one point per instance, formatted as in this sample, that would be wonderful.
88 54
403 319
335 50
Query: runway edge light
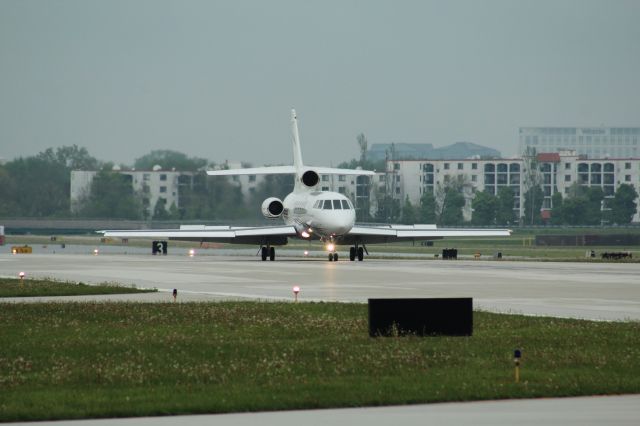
296 290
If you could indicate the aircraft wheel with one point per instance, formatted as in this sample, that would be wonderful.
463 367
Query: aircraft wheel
352 254
360 254
335 256
272 254
263 252
330 257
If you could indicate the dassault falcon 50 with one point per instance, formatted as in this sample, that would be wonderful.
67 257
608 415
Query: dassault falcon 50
308 214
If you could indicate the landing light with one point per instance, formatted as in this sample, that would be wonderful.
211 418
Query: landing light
305 234
306 252
331 247
192 253
95 252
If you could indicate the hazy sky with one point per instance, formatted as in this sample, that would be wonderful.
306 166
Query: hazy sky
217 79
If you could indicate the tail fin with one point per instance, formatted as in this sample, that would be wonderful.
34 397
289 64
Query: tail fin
297 153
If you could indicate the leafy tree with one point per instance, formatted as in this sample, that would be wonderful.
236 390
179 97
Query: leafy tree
557 212
427 211
593 210
484 207
212 198
168 160
504 207
8 190
363 144
388 210
452 208
409 213
111 196
40 187
72 157
623 205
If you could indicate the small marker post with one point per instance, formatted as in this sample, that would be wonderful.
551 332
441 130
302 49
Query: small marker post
517 354
296 290
175 294
21 275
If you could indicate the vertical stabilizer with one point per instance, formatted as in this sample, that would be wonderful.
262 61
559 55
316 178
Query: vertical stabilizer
297 153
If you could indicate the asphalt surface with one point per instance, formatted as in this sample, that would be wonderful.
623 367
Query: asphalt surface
600 291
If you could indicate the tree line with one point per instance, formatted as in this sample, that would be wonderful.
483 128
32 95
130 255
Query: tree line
39 186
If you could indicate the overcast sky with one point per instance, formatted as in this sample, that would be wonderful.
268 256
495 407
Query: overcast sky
217 79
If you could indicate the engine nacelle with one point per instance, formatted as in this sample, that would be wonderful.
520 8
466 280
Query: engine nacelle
272 208
310 178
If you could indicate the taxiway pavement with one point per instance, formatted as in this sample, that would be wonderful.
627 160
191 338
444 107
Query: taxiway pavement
601 291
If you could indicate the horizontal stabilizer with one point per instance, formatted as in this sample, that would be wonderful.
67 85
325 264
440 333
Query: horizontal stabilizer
288 170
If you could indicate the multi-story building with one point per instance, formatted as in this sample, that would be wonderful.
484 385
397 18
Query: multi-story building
151 185
559 171
555 172
412 178
594 142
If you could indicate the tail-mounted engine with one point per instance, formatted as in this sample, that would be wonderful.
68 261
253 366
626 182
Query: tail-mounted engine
310 178
272 208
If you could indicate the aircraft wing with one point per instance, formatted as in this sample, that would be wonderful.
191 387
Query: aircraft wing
275 235
393 233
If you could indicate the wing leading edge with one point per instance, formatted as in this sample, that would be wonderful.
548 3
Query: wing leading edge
274 235
394 233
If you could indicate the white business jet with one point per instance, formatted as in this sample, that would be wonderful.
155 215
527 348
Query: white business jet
308 214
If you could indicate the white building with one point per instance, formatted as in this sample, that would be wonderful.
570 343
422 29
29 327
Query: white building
556 172
151 185
412 178
594 142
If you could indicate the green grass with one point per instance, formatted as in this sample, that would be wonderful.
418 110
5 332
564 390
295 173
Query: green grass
77 360
13 287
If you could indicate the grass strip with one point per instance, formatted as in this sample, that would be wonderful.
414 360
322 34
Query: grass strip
79 360
14 287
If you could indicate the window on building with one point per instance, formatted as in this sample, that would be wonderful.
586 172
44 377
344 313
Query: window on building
460 166
325 188
341 189
381 178
163 189
446 166
396 166
474 166
342 178
474 178
567 166
145 176
163 177
627 166
567 178
627 178
325 178
252 178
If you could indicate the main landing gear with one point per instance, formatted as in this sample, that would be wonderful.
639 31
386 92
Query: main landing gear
333 256
269 252
356 252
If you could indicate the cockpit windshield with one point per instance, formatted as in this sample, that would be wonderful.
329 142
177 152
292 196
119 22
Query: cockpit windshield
333 205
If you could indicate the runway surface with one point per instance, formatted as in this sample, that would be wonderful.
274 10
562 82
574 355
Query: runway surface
600 291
